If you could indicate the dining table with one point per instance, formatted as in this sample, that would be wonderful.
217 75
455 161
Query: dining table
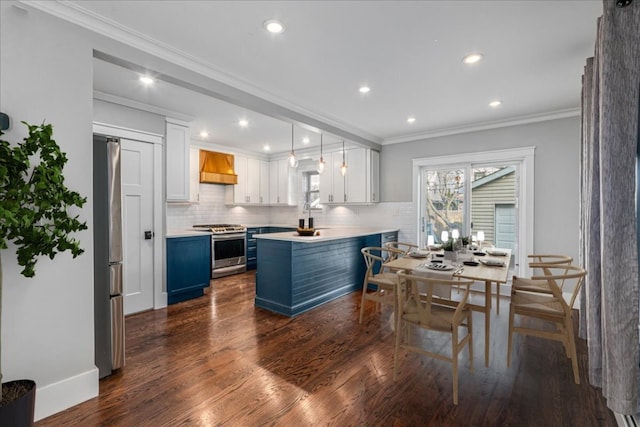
492 267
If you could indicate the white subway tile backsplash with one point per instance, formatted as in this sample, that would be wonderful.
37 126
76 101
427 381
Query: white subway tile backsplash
212 209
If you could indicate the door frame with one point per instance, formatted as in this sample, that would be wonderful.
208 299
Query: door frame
524 159
159 289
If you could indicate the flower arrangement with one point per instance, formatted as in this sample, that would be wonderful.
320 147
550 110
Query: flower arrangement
456 244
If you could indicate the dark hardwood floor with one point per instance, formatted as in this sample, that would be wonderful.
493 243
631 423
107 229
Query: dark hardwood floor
218 360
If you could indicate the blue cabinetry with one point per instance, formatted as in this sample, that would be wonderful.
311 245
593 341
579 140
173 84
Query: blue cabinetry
390 236
188 267
252 249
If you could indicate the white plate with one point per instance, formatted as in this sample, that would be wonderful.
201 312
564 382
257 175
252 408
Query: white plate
495 253
417 255
440 267
491 263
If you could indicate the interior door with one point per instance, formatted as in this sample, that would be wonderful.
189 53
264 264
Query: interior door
137 212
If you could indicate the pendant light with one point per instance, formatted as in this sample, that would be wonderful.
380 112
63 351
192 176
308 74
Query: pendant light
293 162
343 168
320 167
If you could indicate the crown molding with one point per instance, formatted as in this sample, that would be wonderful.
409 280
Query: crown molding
515 121
114 99
87 19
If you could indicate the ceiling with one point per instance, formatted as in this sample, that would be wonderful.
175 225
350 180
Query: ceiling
408 52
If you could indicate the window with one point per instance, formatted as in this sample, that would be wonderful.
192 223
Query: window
489 191
312 191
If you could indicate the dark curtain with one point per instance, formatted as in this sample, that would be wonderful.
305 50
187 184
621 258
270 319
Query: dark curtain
609 232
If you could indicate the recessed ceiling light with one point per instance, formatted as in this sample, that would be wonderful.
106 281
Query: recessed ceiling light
364 89
411 119
266 147
495 103
146 80
204 134
243 123
274 26
305 140
472 58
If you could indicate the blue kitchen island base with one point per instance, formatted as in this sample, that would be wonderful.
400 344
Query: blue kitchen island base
294 276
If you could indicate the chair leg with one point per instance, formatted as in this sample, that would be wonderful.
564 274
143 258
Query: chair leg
470 343
572 348
364 293
510 338
454 363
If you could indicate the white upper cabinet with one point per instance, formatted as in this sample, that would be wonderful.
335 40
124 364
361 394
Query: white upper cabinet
359 185
356 178
253 182
177 160
282 183
374 179
194 175
265 187
331 180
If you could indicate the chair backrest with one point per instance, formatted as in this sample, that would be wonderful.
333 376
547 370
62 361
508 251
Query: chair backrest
421 299
554 259
550 259
560 273
397 249
373 255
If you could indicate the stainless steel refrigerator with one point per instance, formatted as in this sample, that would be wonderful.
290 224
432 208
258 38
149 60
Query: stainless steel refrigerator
107 236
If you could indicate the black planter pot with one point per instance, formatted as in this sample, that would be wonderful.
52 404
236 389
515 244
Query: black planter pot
19 412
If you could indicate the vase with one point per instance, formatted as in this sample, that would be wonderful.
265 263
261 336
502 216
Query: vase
451 256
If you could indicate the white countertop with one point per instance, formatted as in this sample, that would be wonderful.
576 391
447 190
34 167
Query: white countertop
186 233
326 234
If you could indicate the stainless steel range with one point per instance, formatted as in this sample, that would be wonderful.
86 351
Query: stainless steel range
228 248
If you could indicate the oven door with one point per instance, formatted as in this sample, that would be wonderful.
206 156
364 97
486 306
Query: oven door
229 250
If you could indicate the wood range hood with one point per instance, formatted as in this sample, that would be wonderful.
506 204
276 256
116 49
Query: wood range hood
217 168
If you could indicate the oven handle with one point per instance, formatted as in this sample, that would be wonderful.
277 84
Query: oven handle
229 268
236 236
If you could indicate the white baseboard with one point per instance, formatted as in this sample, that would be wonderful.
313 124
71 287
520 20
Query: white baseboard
56 397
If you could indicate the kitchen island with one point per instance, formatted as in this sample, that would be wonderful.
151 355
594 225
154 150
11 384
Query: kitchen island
297 273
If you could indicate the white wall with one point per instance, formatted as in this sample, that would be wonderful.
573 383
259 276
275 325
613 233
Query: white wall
556 182
47 321
130 118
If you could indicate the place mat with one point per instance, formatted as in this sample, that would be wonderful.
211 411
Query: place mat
443 291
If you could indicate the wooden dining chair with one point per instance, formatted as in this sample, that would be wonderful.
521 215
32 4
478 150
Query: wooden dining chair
379 286
532 285
419 308
550 307
398 249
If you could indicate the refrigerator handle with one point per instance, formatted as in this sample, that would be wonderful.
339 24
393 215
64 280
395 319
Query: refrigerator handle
115 279
115 200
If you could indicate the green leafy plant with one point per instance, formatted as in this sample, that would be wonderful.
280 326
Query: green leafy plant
456 244
34 201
